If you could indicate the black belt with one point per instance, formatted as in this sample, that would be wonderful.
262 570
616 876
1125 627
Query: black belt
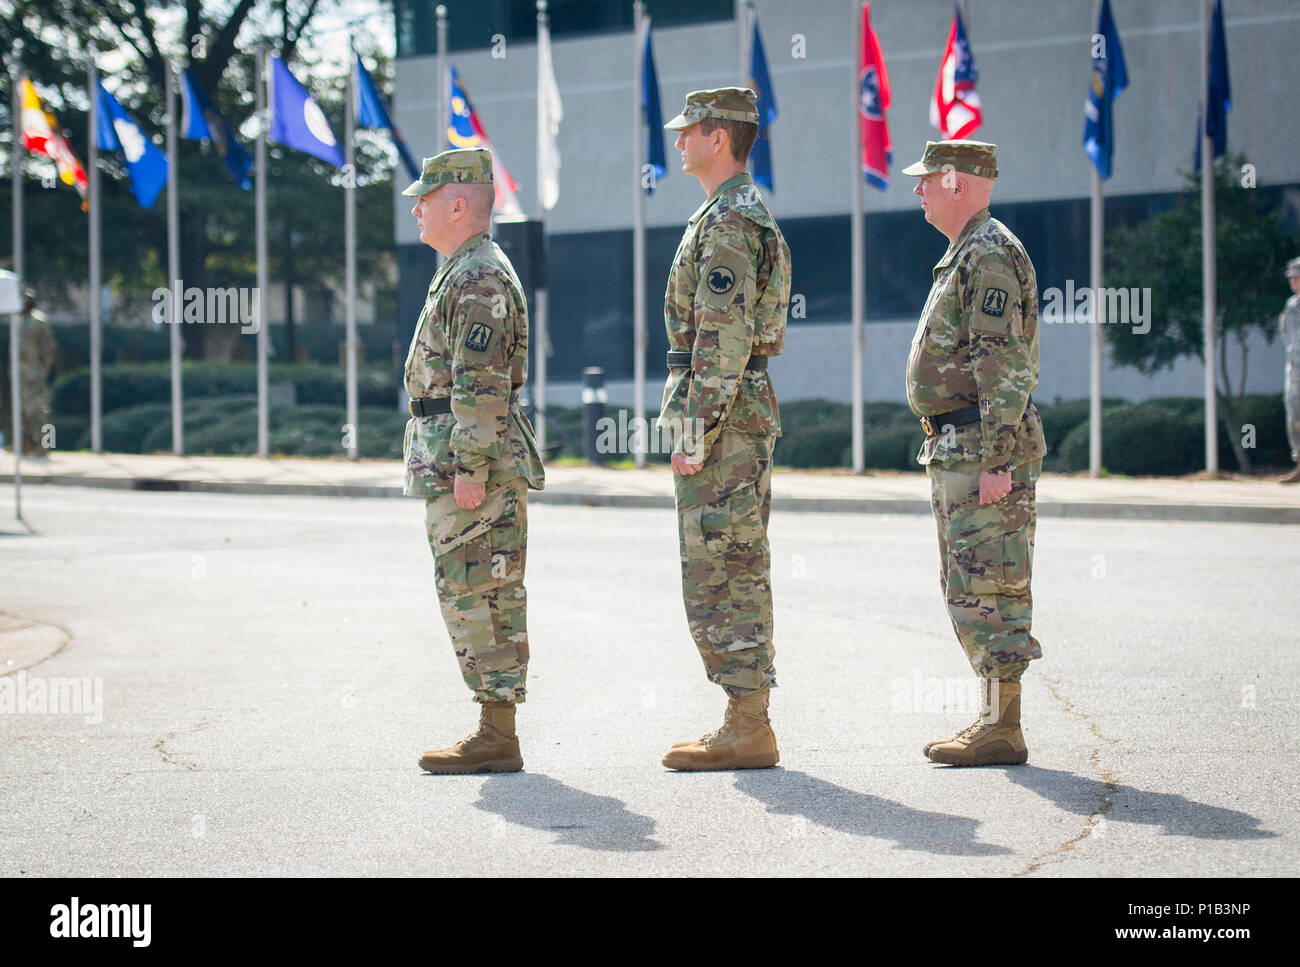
430 407
681 358
967 414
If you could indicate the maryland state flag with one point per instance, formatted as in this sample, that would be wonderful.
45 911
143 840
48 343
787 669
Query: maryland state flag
873 102
41 136
955 108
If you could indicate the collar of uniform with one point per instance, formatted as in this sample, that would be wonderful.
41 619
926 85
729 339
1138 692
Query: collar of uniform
735 181
471 242
978 219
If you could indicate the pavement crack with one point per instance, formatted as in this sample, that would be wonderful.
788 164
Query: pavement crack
1093 823
173 756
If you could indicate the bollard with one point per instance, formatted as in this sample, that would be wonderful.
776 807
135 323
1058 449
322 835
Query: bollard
593 411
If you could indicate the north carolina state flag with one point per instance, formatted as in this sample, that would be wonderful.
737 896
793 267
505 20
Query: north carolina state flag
955 109
41 136
873 102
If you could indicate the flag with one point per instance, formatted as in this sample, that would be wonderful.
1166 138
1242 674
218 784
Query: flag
200 121
761 83
1109 79
652 115
550 112
1219 96
955 109
297 120
873 102
371 113
466 131
41 135
115 130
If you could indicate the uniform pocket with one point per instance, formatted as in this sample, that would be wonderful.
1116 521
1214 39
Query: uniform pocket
996 566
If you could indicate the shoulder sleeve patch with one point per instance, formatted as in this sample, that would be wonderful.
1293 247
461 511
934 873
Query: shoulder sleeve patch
723 276
994 293
995 301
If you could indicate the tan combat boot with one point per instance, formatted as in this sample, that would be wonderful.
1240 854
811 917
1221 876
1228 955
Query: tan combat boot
745 740
953 738
988 743
1292 477
493 747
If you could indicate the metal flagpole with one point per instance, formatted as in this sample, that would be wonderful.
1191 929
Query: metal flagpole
174 262
350 233
1097 222
262 415
638 226
444 93
1208 246
96 397
541 300
857 248
15 319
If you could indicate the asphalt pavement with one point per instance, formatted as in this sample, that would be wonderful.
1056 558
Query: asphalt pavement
240 684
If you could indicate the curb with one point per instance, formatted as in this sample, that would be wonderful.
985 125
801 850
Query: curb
1092 510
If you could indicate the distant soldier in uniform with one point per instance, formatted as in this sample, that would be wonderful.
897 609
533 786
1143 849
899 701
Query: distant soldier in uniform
470 451
972 366
35 360
1290 323
725 311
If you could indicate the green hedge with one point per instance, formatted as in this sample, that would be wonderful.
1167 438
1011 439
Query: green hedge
133 384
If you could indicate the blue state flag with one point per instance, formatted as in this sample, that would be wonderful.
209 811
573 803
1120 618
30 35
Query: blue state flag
297 120
201 121
1109 79
371 113
1219 95
116 131
761 82
652 114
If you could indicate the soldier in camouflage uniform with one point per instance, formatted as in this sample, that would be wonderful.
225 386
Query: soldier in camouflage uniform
972 366
470 451
1290 324
35 359
725 311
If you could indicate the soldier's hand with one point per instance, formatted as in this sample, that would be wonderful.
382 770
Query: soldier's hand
994 486
469 495
683 466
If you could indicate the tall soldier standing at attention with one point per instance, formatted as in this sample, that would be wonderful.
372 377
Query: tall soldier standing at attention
973 364
725 311
1289 322
470 452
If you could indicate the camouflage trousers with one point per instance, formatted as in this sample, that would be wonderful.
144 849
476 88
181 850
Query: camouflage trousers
986 557
722 513
479 558
1292 400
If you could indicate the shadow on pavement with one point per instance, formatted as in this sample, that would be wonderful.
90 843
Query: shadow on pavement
1178 815
578 818
789 793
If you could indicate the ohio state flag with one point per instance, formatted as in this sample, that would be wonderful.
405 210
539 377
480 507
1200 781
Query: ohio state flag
873 102
955 108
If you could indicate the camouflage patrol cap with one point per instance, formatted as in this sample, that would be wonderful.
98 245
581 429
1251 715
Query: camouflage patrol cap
1293 267
466 166
728 103
972 157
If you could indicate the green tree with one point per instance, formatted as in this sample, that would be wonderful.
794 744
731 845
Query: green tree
1163 253
217 42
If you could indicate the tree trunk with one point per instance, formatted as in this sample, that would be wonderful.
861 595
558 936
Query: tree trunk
1228 412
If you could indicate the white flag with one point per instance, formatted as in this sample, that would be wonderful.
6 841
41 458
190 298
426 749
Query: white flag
550 112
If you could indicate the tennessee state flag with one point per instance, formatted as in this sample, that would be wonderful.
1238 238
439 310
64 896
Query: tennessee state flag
464 130
873 102
955 109
41 135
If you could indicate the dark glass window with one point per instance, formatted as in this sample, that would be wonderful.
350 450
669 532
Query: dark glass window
473 23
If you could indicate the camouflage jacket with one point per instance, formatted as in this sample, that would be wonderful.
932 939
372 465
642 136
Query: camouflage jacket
977 343
1289 323
727 297
471 343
